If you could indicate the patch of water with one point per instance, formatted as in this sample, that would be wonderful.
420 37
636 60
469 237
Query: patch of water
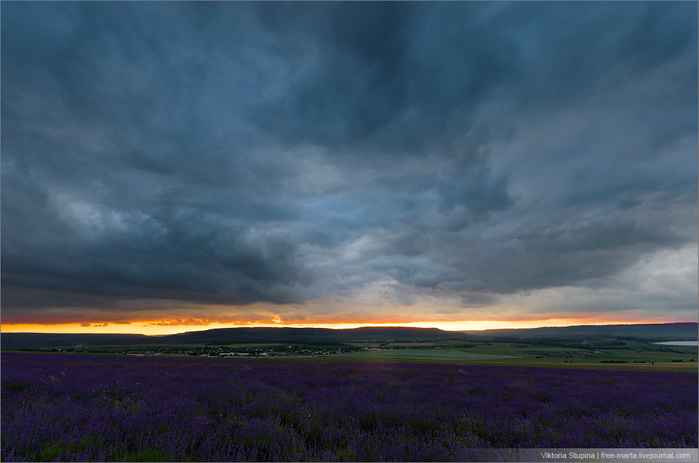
678 343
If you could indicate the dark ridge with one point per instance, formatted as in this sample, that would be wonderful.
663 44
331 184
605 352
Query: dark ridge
43 340
283 334
685 331
648 333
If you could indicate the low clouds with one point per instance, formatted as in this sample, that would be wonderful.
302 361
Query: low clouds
400 156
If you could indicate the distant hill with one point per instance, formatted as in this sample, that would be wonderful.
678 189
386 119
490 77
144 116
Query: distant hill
318 335
230 336
649 332
45 340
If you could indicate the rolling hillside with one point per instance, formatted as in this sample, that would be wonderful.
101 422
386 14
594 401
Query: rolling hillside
650 332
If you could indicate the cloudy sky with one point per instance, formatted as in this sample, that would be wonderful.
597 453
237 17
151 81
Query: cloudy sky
178 165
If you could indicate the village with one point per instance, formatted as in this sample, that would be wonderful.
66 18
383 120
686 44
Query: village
248 351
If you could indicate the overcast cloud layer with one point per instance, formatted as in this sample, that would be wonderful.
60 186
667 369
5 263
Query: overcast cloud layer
408 158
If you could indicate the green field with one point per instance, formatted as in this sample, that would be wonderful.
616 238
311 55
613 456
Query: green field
577 355
681 359
423 354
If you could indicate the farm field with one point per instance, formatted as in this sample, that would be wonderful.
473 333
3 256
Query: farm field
635 356
120 408
423 354
679 359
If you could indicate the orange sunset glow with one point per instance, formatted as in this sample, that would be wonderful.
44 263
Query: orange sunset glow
163 327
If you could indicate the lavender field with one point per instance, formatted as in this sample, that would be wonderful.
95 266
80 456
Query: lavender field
72 407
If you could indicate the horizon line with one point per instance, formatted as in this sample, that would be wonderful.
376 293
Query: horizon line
339 328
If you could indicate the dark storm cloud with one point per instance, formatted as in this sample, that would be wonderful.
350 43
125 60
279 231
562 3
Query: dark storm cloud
393 76
233 153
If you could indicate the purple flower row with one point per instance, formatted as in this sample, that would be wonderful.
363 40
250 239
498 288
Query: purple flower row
69 407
